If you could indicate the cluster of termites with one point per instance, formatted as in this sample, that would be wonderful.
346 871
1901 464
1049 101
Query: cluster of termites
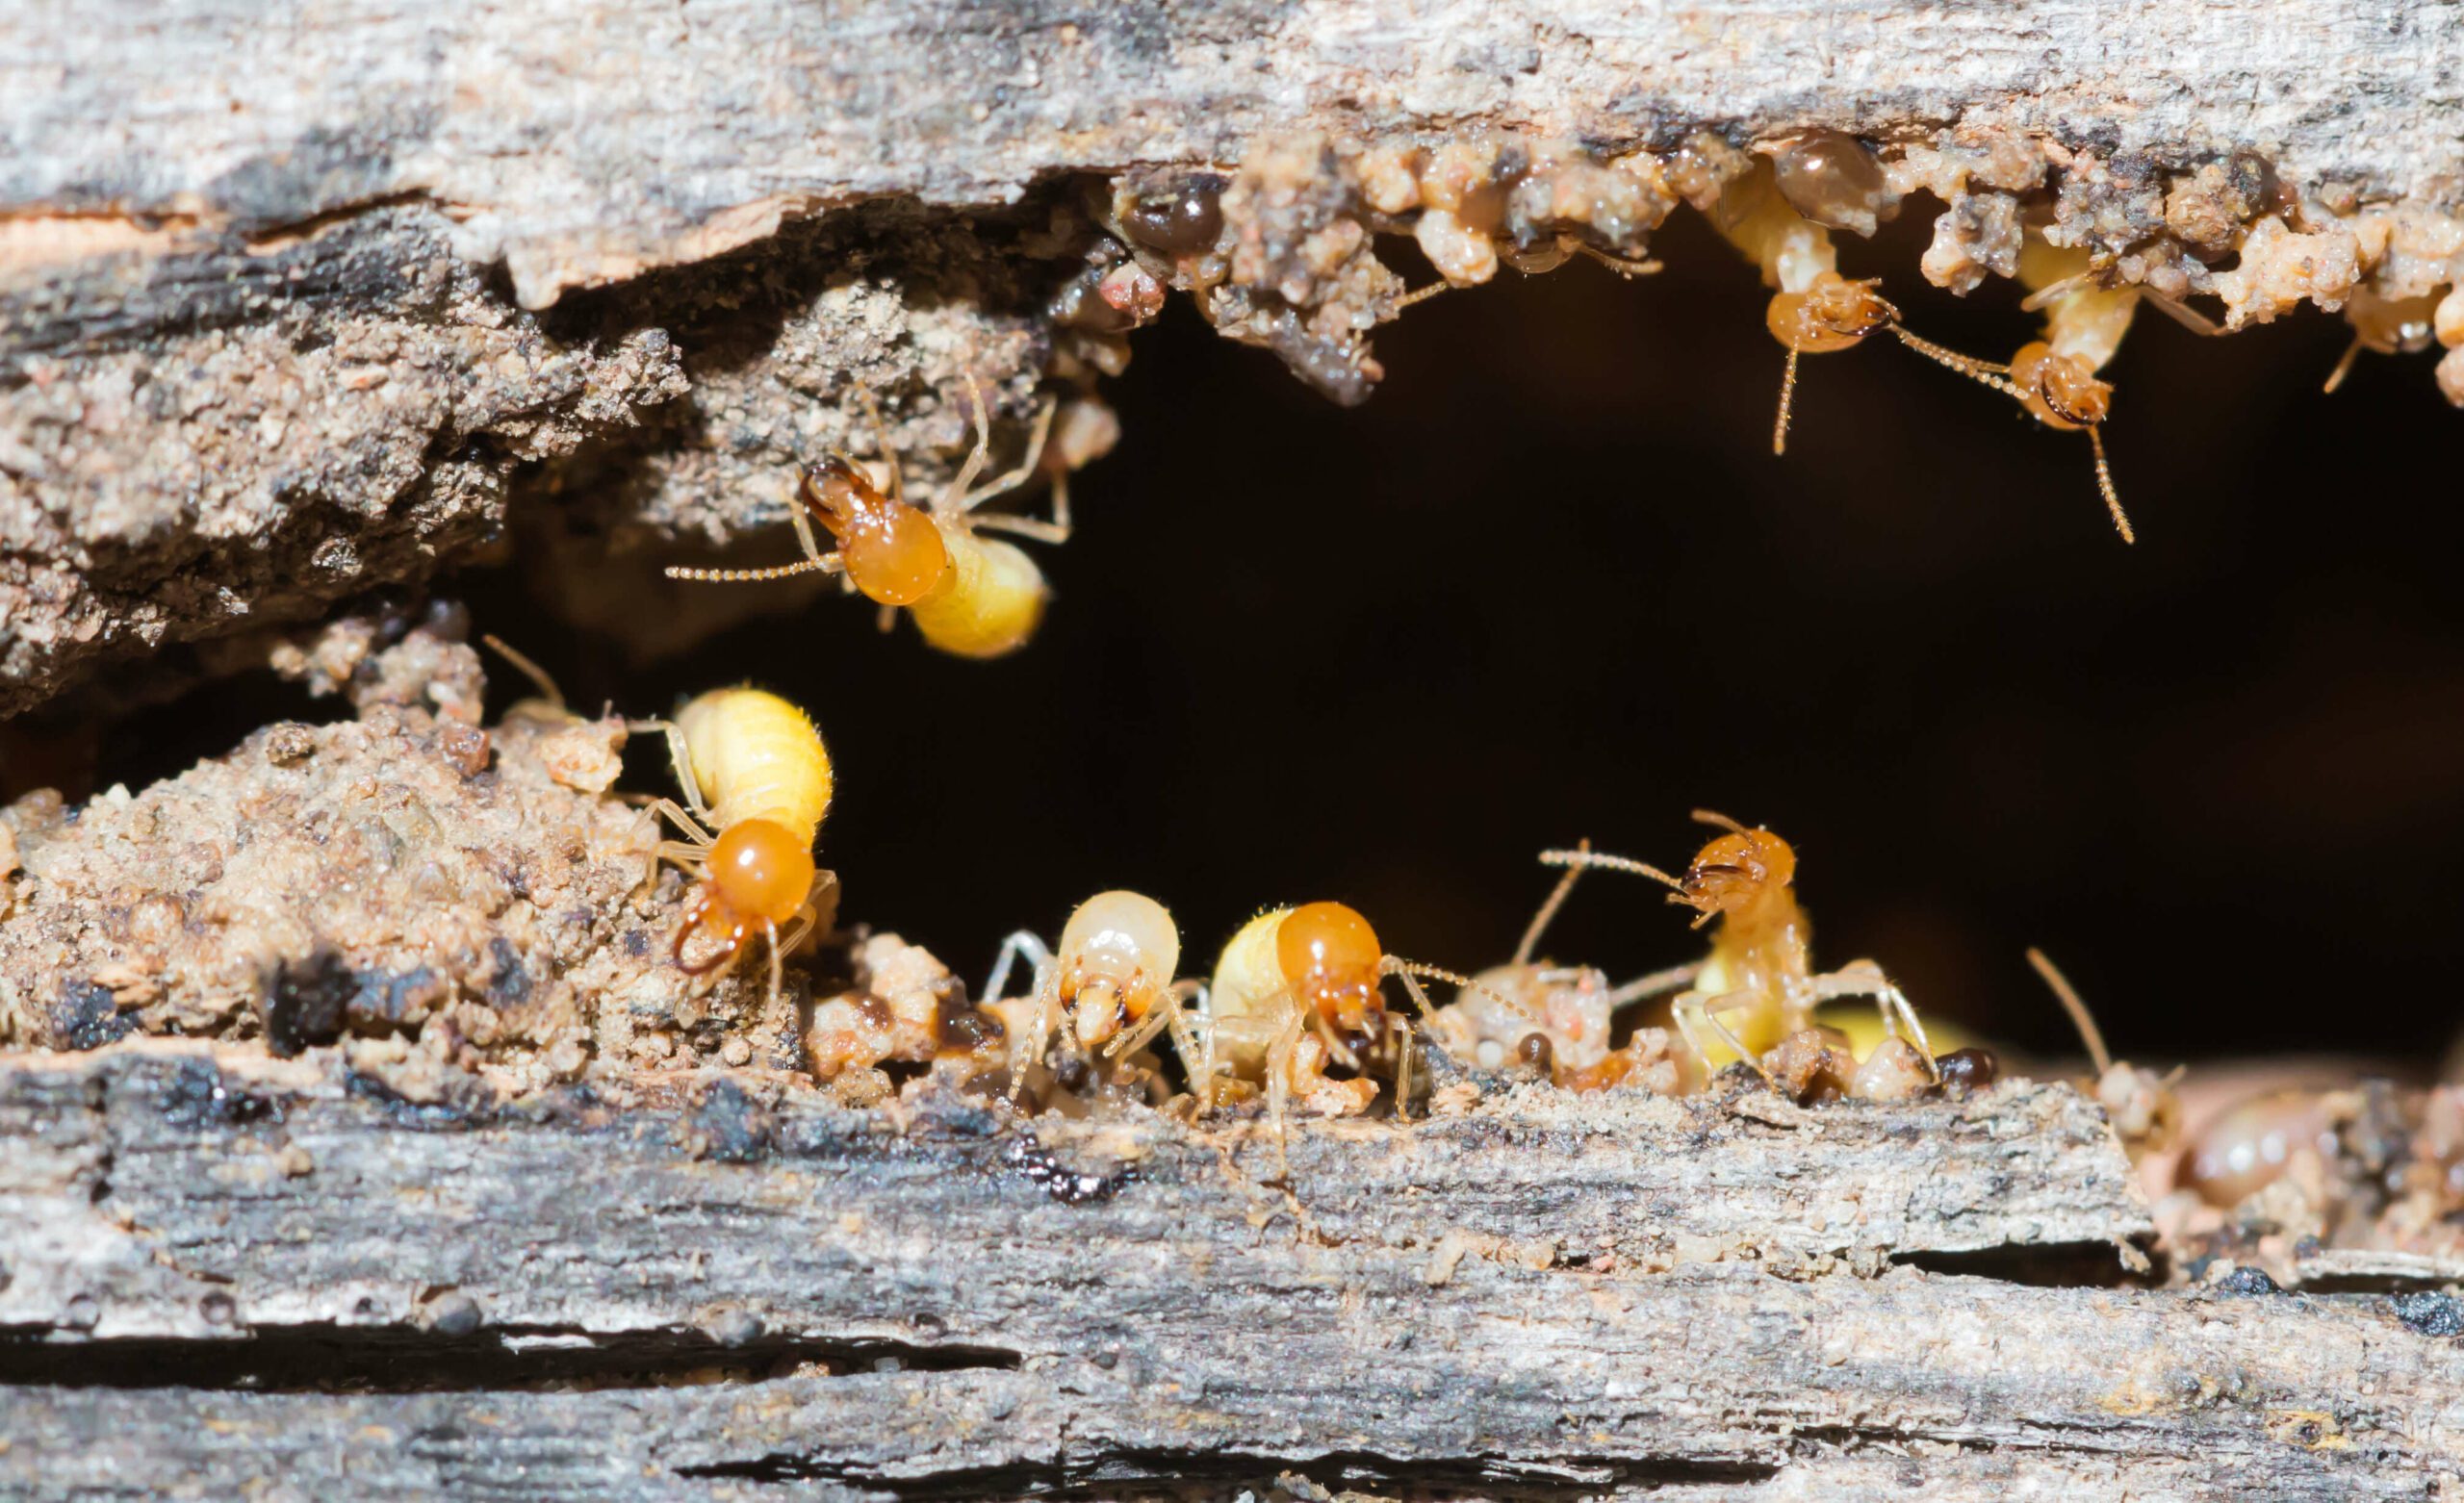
1295 1014
1281 251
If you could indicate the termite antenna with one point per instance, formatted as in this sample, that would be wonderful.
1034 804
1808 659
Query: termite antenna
2344 367
530 669
881 440
1981 370
1454 978
1618 263
1549 907
1609 863
2080 1017
802 565
1787 395
1421 295
1719 821
2105 483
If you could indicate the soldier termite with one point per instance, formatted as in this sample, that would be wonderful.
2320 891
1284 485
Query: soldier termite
1297 989
753 769
970 595
1109 986
1760 964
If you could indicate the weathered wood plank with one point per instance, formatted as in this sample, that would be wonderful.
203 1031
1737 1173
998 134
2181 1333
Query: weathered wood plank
675 133
232 1196
723 1285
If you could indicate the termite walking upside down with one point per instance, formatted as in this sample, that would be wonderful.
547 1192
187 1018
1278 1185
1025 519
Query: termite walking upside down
1813 310
970 595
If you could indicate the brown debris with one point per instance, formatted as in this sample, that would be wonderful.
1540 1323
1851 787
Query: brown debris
402 880
133 486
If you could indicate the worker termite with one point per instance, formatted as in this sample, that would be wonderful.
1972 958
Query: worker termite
970 595
1109 986
1558 1021
753 769
1297 989
1761 963
1813 310
2146 1114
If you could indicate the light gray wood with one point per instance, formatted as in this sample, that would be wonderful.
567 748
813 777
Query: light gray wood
712 1286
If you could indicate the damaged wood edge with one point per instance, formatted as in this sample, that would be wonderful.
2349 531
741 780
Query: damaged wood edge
648 1287
164 1177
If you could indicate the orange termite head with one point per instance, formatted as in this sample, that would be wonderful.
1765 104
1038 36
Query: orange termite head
894 554
1735 870
1831 314
1330 958
759 873
2060 389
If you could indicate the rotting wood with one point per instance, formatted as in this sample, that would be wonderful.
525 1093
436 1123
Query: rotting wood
715 1286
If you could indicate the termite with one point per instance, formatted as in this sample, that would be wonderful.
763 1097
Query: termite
2385 326
970 595
2145 1112
1761 963
1296 989
1813 309
1109 986
751 767
2254 1143
2055 377
1535 1015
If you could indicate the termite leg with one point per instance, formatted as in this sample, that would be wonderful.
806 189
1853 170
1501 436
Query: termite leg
1279 1061
1550 905
1024 942
954 499
960 500
1653 984
880 438
692 828
556 697
1692 1012
1865 979
679 758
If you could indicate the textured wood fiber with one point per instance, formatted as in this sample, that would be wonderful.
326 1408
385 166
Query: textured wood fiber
725 1288
584 142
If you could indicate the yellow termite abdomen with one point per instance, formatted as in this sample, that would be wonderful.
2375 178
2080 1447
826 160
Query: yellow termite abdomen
1249 1000
756 756
988 603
